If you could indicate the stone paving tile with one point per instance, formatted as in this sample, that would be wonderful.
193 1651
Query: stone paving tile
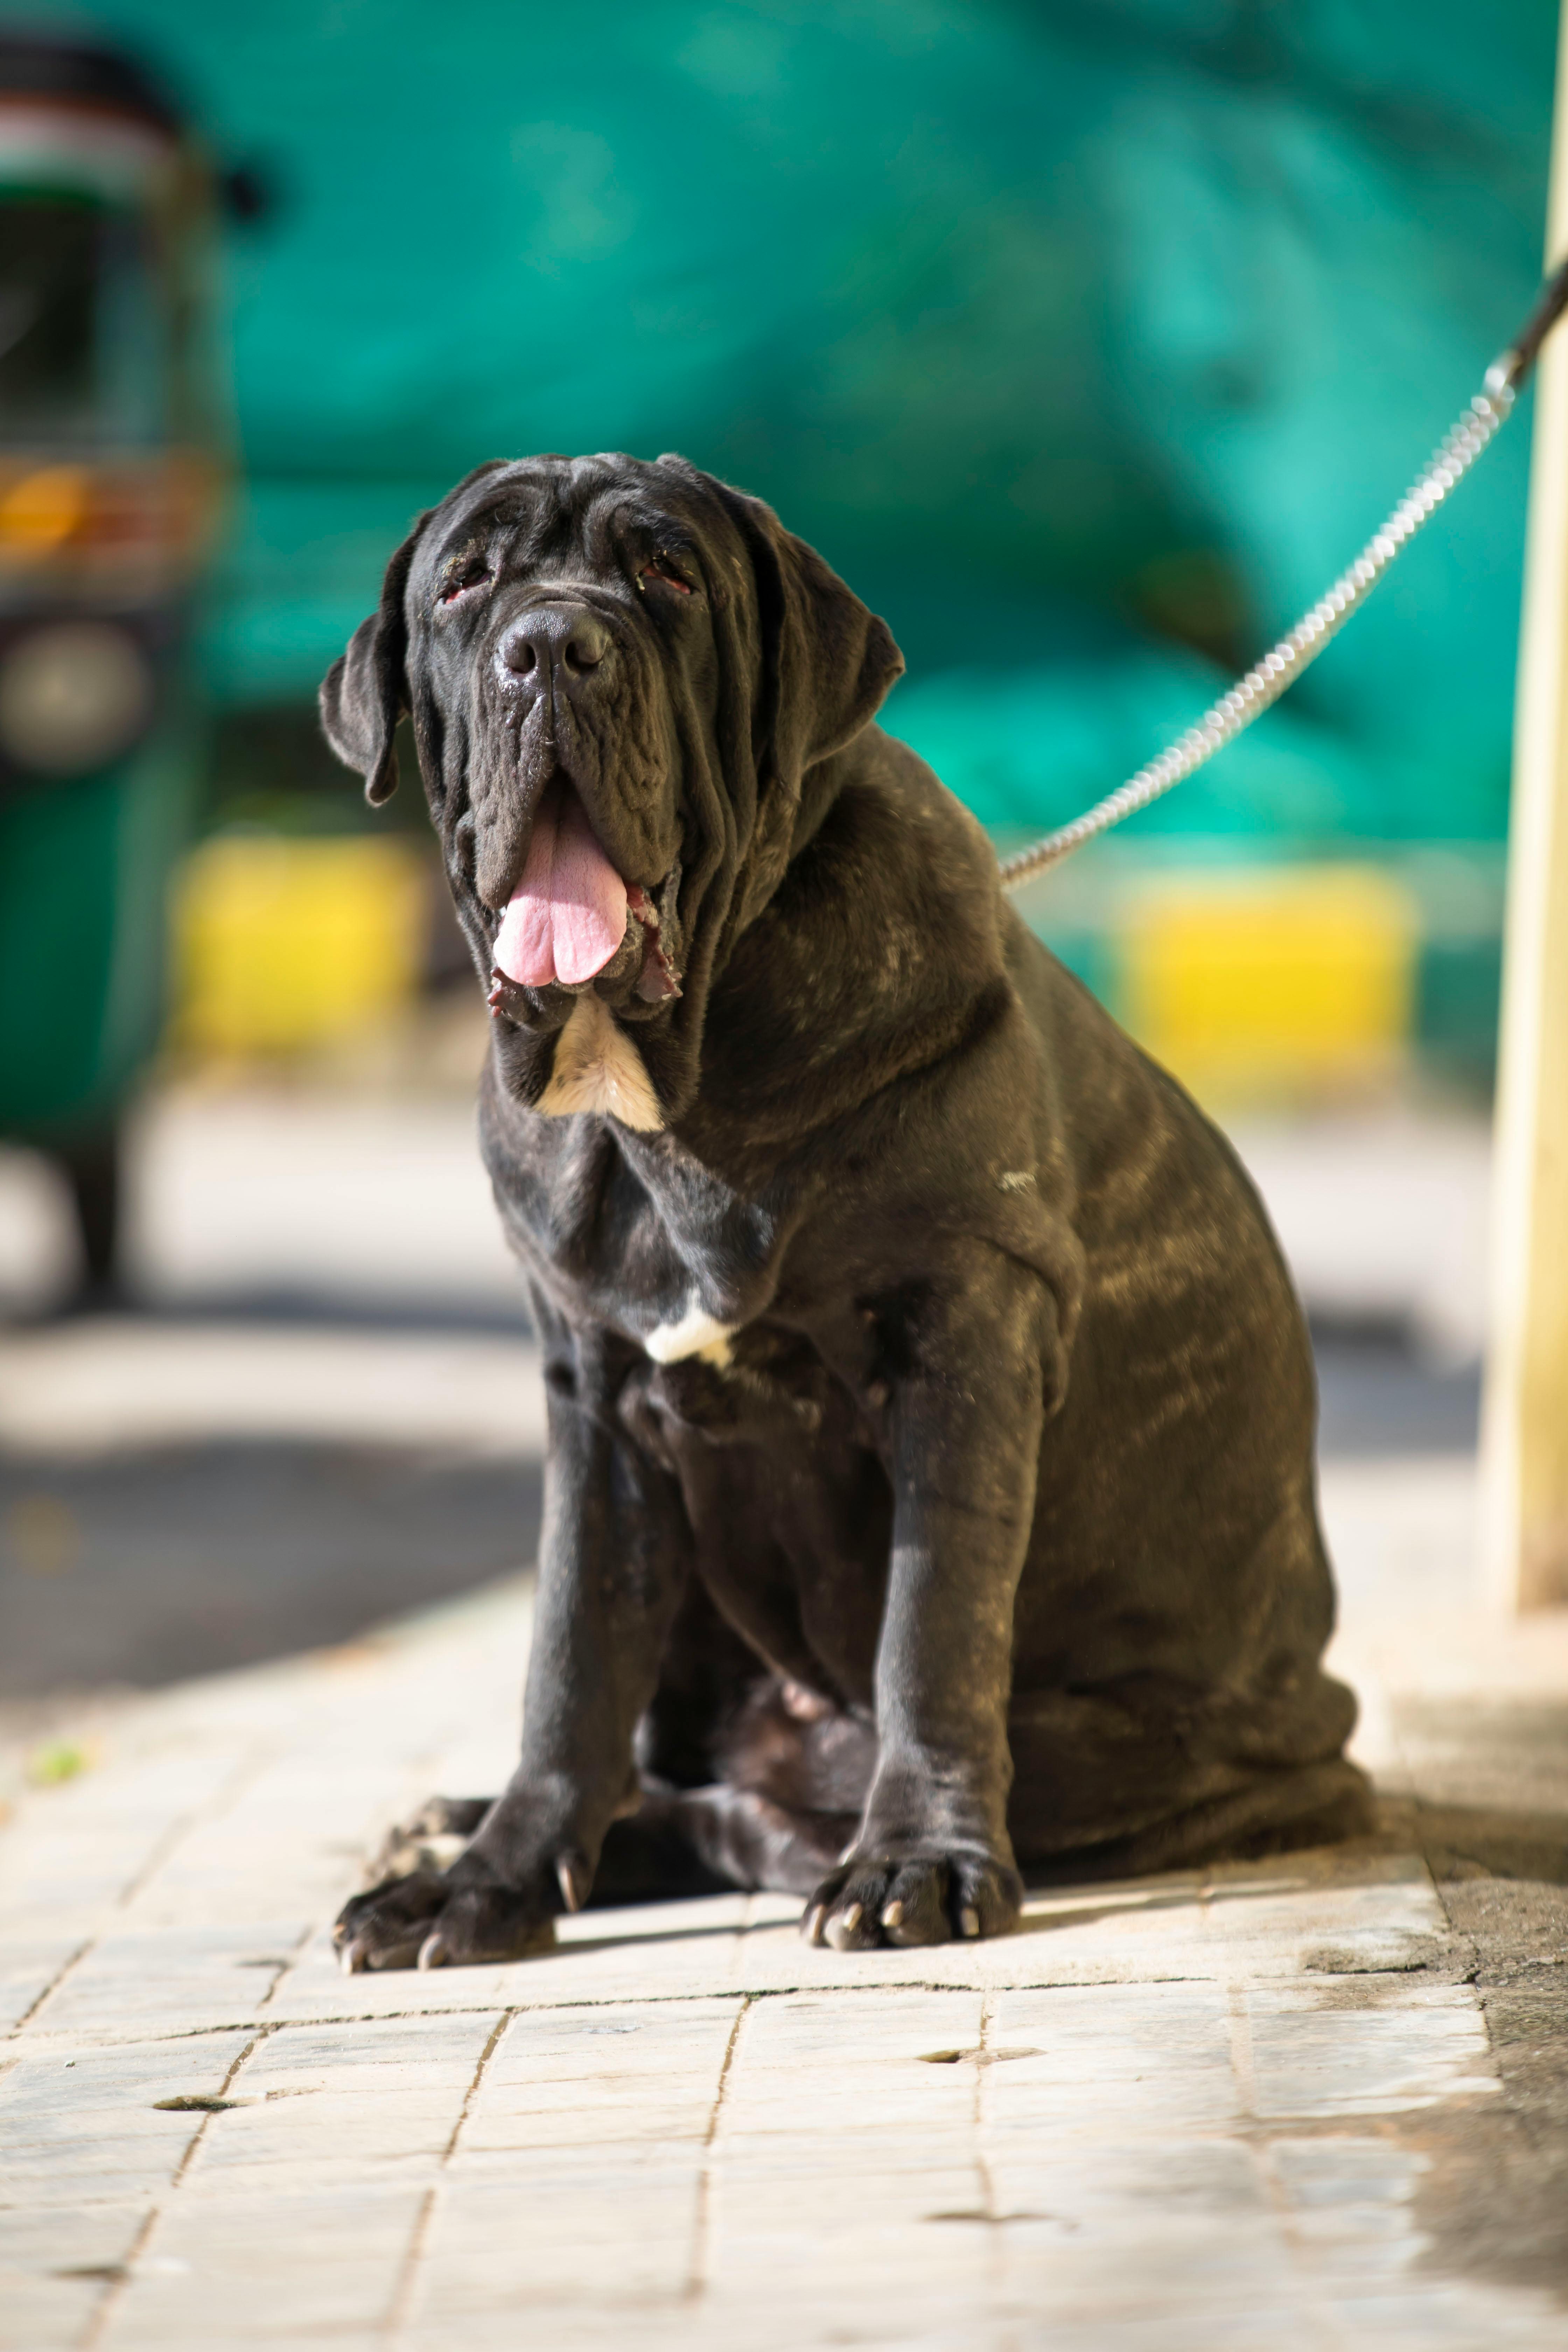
1440 2317
624 1956
614 2233
772 2233
1220 2269
1313 2055
29 1966
1265 2325
170 1979
1338 1915
364 2101
583 2077
280 1849
91 2127
64 1861
1162 2185
273 2266
53 2267
1076 2058
848 2145
1349 2202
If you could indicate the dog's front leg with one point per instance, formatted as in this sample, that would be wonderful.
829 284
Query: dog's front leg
962 1359
613 1555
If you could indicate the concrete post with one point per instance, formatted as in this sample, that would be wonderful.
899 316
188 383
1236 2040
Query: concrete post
1525 1420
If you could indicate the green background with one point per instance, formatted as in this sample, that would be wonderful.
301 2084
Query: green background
1087 338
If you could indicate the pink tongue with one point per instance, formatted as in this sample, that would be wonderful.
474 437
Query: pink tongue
568 914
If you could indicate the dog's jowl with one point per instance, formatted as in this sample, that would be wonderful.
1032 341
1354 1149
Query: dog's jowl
930 1492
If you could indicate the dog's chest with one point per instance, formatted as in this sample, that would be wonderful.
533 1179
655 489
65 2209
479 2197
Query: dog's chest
634 1231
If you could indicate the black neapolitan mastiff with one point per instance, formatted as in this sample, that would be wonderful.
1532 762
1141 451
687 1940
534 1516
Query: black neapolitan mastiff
929 1485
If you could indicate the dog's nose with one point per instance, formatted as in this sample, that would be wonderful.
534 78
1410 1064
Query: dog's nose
548 636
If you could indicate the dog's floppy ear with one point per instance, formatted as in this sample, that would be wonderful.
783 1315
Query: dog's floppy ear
825 664
365 692
828 661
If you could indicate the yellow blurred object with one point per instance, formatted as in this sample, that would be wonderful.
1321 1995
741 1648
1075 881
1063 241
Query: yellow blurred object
281 943
1280 981
42 509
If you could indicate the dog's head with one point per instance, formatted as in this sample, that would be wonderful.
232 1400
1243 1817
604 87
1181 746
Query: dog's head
626 682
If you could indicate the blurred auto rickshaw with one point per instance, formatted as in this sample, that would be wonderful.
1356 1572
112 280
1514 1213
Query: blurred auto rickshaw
112 472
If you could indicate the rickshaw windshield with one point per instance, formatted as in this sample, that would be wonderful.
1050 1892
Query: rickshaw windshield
83 361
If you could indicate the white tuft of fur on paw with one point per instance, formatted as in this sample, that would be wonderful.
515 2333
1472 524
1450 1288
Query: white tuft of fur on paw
597 1068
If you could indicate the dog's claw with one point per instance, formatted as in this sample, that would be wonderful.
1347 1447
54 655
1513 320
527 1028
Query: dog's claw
574 1878
848 1930
432 1951
353 1958
925 1899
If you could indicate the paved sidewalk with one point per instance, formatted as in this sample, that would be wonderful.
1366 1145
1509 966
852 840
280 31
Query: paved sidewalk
1320 2104
1217 2109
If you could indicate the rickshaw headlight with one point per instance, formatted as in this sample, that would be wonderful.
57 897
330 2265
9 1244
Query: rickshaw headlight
73 697
39 513
140 526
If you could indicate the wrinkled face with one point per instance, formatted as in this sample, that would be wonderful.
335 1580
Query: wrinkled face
629 684
565 684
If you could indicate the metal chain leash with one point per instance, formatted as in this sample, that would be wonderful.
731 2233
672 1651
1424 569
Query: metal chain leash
1279 669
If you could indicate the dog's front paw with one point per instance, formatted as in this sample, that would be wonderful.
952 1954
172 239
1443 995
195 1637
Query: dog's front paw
922 1898
436 1919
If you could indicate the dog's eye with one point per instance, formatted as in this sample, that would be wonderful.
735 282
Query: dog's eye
662 569
472 574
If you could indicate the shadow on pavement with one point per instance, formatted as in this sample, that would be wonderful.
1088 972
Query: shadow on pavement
145 1565
1378 1394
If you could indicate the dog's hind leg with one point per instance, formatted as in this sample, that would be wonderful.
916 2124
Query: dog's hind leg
434 1838
680 1842
703 1841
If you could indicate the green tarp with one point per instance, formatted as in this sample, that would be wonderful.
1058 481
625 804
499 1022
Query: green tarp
1088 338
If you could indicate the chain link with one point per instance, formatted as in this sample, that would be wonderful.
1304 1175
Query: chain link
1251 696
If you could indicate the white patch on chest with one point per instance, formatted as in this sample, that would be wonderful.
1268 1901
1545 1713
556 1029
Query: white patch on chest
695 1334
597 1068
